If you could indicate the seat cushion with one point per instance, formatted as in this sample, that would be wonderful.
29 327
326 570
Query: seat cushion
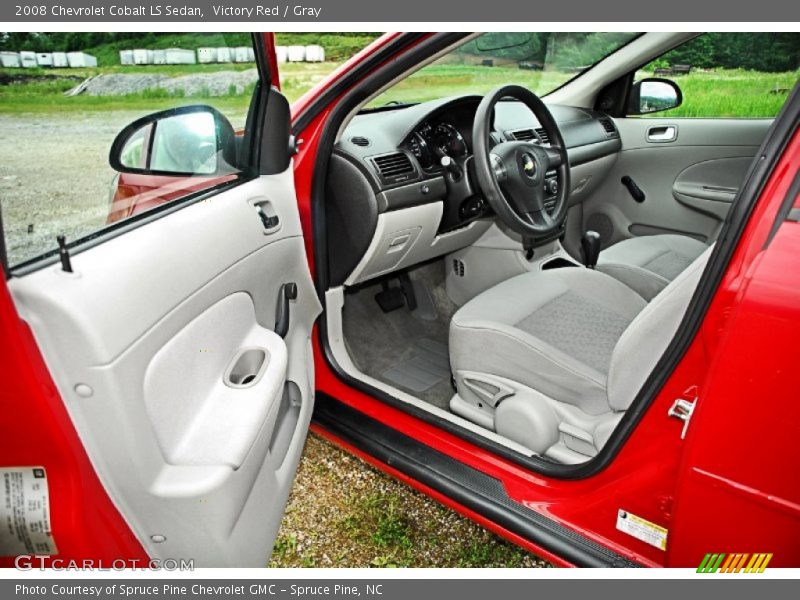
554 331
647 264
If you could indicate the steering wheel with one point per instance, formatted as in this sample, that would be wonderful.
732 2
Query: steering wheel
511 174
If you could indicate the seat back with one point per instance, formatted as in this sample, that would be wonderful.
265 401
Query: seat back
646 339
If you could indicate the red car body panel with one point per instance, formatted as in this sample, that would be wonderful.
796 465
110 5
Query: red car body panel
723 489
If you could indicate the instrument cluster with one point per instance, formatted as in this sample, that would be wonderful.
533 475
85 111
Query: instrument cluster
430 142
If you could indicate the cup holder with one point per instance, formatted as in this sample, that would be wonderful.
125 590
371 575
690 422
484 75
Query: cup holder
247 367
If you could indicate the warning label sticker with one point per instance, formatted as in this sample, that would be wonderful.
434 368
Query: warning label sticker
25 512
642 529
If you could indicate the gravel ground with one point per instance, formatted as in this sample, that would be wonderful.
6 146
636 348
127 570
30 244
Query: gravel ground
54 177
344 513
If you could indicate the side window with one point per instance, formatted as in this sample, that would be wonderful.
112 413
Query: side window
58 172
738 75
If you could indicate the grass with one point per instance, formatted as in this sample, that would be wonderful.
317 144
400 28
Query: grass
719 93
732 93
443 80
42 90
359 517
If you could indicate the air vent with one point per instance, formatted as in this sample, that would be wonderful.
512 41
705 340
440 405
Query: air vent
394 167
543 135
608 125
360 141
523 135
459 269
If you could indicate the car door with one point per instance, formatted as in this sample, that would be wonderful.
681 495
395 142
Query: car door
179 345
688 171
681 166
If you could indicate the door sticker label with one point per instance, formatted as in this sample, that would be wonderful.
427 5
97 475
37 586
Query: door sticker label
25 512
642 529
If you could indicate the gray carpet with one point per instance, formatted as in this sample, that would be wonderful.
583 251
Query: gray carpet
404 349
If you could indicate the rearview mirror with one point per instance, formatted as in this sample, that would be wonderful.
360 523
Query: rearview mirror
653 95
186 141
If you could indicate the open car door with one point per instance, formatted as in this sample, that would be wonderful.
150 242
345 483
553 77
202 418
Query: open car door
179 346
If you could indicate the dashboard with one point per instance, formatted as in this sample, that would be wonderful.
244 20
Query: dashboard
390 161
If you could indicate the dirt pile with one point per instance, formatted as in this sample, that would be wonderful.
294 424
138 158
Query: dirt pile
218 83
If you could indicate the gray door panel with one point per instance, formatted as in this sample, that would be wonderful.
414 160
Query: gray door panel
689 170
191 408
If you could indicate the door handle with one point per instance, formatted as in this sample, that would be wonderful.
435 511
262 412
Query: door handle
267 214
662 134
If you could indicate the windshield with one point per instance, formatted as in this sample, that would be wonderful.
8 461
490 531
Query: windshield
541 62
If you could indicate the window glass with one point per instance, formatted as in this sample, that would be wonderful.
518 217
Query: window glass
730 74
541 62
57 126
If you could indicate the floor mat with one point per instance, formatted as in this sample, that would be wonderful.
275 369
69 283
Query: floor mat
404 349
428 366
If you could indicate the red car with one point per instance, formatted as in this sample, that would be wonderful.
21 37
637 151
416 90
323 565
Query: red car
572 324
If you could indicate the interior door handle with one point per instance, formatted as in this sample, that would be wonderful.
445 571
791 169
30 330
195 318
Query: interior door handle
662 134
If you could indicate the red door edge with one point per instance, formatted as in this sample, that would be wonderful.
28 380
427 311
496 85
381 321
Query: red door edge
36 431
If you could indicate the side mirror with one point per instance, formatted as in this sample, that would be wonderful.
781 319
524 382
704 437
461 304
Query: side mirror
179 142
653 95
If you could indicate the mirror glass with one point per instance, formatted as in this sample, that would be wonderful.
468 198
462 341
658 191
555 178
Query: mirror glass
656 95
182 143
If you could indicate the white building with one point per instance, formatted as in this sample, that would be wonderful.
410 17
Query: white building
315 53
206 55
180 56
28 59
10 60
224 55
241 54
60 60
142 57
126 57
81 59
44 59
281 54
296 53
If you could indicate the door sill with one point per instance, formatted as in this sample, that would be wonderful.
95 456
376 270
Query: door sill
464 485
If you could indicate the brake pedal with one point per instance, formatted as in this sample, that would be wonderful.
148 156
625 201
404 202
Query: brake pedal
390 298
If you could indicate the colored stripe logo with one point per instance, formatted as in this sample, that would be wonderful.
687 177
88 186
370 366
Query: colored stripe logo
734 563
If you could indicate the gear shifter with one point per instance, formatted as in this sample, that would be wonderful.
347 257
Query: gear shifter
590 248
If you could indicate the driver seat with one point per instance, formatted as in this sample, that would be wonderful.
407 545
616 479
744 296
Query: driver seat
553 359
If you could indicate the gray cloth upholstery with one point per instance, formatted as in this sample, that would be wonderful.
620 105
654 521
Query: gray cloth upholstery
647 337
572 347
553 331
647 264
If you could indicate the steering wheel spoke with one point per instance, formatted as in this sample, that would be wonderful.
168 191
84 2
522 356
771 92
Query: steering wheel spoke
556 156
540 218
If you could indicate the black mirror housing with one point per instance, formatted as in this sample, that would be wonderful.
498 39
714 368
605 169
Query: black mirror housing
653 94
188 141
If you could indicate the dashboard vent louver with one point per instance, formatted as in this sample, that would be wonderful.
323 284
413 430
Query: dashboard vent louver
360 141
543 135
523 135
608 125
394 167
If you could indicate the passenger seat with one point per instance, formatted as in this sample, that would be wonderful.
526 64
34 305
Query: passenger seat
647 264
